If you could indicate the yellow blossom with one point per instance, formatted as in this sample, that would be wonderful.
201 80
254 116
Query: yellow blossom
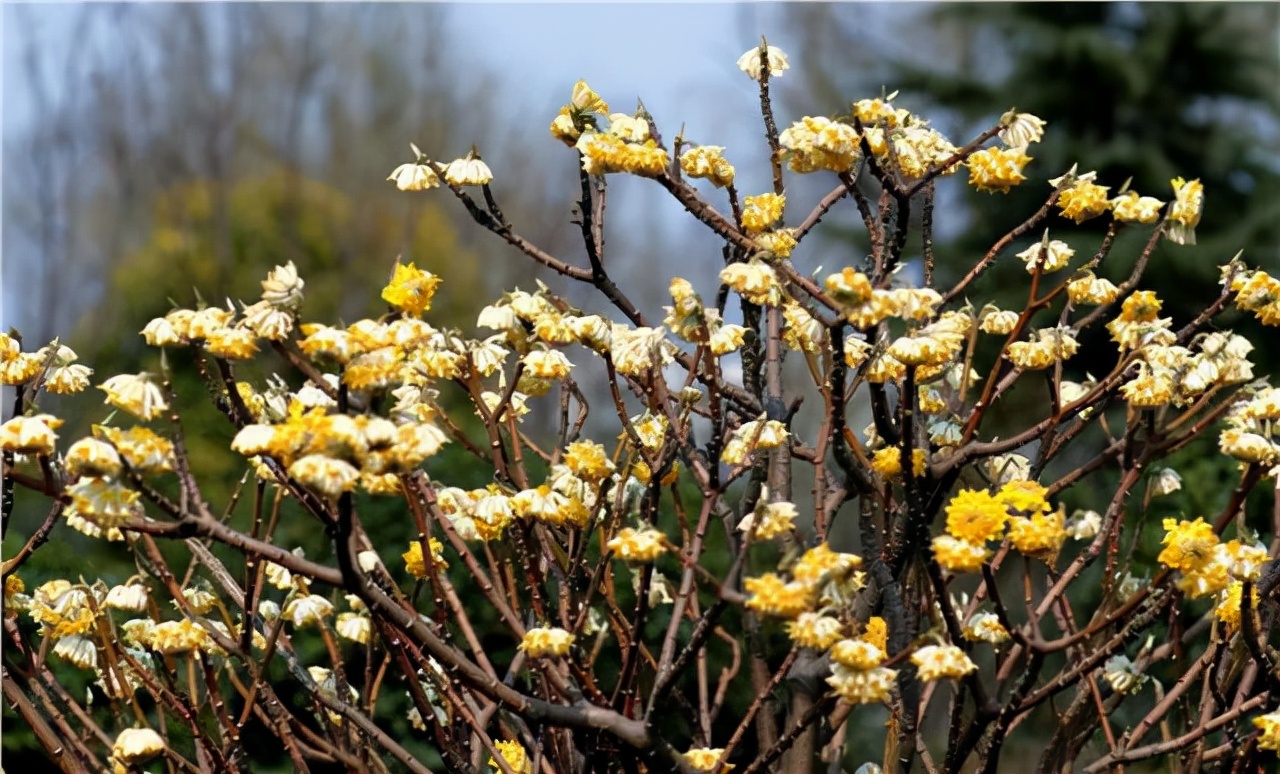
708 161
1056 255
760 212
30 435
705 759
231 343
1188 545
515 757
470 170
771 595
858 654
959 555
1083 199
1184 216
411 289
814 630
985 627
1269 728
937 662
417 176
1090 290
1040 534
753 61
1020 129
415 561
1229 607
769 520
137 394
544 641
859 686
876 632
1128 207
975 516
1024 495
820 564
638 546
997 169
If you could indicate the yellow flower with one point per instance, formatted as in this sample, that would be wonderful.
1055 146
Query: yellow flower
468 171
959 555
65 376
638 546
887 462
544 641
771 595
1229 608
1024 495
997 169
985 627
1084 198
20 368
1088 289
780 242
937 662
411 289
79 650
1184 216
708 162
814 630
414 177
858 686
1189 545
175 637
30 435
1128 207
705 759
354 627
587 460
415 561
998 322
858 654
107 504
876 632
308 610
137 394
820 564
587 101
513 754
1269 725
325 475
1040 534
760 212
755 281
547 364
774 520
1020 129
752 62
1056 256
975 516
231 343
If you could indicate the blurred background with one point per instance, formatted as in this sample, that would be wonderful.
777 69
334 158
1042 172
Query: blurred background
151 149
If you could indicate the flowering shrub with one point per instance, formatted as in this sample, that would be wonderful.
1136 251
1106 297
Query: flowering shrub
670 593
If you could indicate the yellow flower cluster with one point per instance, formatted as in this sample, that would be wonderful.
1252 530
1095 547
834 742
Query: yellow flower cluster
761 212
856 674
1252 425
888 462
941 662
768 520
1047 347
1184 216
756 281
514 755
1081 198
708 162
579 115
706 759
543 641
415 561
411 289
1257 292
638 545
997 169
819 571
816 142
61 374
759 433
606 153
